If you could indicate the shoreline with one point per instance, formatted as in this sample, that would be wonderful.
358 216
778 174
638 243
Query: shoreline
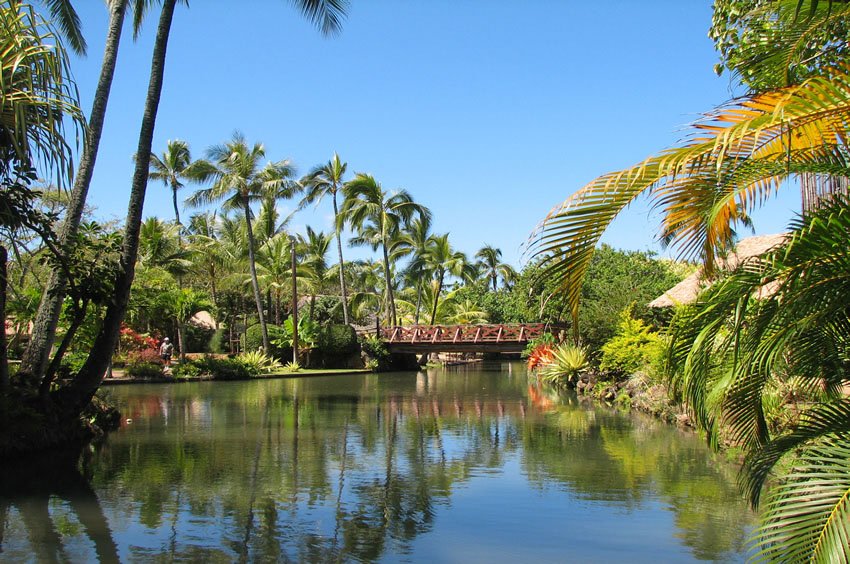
303 373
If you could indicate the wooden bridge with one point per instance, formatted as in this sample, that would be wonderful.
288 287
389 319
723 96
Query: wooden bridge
462 338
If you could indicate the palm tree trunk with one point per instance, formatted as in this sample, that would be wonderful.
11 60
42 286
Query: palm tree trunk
91 375
35 358
341 263
258 298
418 301
437 296
181 342
388 277
176 209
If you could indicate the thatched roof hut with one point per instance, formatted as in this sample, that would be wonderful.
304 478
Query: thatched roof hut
686 291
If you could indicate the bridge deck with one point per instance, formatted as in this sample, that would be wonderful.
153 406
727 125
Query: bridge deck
462 338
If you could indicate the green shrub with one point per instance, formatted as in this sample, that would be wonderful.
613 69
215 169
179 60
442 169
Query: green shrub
256 362
337 340
197 339
185 370
252 340
634 347
222 368
144 370
374 348
72 362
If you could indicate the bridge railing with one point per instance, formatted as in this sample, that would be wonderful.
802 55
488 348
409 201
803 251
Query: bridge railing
502 333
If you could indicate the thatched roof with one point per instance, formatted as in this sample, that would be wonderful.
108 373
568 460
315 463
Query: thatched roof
686 291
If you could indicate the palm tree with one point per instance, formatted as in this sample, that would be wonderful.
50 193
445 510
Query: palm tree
735 345
237 178
490 262
37 352
442 260
209 253
327 14
315 249
91 374
378 216
414 242
170 168
159 247
323 180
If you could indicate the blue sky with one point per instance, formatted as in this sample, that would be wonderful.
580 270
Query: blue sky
488 112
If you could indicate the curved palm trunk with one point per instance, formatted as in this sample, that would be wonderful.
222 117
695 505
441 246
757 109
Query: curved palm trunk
176 209
388 277
437 296
341 265
258 298
91 374
35 358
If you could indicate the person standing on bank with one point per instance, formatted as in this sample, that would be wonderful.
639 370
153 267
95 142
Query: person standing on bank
165 351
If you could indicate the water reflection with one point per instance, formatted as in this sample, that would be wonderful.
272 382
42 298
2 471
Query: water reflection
468 464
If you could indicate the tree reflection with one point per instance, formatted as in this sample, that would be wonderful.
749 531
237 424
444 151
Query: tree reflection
322 470
30 488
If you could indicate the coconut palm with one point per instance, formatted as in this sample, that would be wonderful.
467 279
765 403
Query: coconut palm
324 180
325 13
733 161
413 242
170 169
367 285
442 260
378 216
235 171
210 255
314 249
37 352
489 261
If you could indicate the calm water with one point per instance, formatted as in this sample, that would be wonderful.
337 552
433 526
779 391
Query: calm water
456 465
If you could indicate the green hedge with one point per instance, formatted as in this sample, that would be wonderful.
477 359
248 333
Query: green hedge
252 340
337 340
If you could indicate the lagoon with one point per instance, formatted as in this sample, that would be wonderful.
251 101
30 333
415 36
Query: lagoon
463 464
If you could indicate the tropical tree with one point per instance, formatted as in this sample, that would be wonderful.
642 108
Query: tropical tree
442 260
414 242
36 94
734 160
489 261
737 345
324 180
274 264
378 216
236 176
35 358
78 392
186 303
159 247
314 248
210 256
170 169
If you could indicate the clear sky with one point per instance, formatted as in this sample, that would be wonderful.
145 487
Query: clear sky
489 112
